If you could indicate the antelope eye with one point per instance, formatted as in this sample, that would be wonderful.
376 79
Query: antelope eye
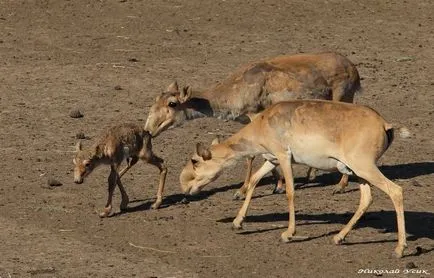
172 104
194 161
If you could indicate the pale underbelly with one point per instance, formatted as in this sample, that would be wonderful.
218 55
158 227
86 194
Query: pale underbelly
319 162
323 163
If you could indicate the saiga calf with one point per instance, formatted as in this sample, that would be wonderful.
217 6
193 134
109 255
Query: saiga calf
122 142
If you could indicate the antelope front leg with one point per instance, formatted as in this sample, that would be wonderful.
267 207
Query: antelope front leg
240 194
285 164
265 168
158 162
111 187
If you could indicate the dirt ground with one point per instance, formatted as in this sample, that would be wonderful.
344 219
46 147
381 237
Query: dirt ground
110 59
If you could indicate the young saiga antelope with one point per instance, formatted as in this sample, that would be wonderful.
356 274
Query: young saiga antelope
325 135
256 86
122 142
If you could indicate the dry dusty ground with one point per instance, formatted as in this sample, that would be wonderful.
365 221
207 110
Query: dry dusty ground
60 55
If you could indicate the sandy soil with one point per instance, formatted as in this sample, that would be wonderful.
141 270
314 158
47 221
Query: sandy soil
56 56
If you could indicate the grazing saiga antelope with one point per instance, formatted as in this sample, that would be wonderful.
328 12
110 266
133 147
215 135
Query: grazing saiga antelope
122 142
256 86
325 135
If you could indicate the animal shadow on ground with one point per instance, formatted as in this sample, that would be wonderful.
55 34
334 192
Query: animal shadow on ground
180 199
145 204
418 225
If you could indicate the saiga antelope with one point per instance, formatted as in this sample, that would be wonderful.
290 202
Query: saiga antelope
122 142
256 86
325 135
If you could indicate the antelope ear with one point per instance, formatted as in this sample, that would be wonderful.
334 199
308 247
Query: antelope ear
173 88
203 151
185 94
215 141
78 146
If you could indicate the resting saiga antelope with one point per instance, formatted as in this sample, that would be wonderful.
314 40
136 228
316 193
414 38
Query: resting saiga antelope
122 142
256 86
325 135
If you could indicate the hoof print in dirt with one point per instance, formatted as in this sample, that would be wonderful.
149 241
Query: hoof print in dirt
277 190
41 271
53 182
80 135
75 113
410 265
416 183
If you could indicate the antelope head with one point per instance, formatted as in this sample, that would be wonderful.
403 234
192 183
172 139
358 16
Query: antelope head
84 163
168 110
202 168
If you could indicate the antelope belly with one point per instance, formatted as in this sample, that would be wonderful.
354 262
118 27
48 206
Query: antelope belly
314 160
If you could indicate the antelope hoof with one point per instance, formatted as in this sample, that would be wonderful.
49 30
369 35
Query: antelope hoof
399 251
339 189
286 236
278 190
237 224
338 239
156 204
105 212
311 176
239 195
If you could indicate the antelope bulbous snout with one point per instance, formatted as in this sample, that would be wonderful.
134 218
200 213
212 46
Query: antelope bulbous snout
184 179
190 190
148 126
191 183
158 122
185 189
152 126
194 191
186 192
